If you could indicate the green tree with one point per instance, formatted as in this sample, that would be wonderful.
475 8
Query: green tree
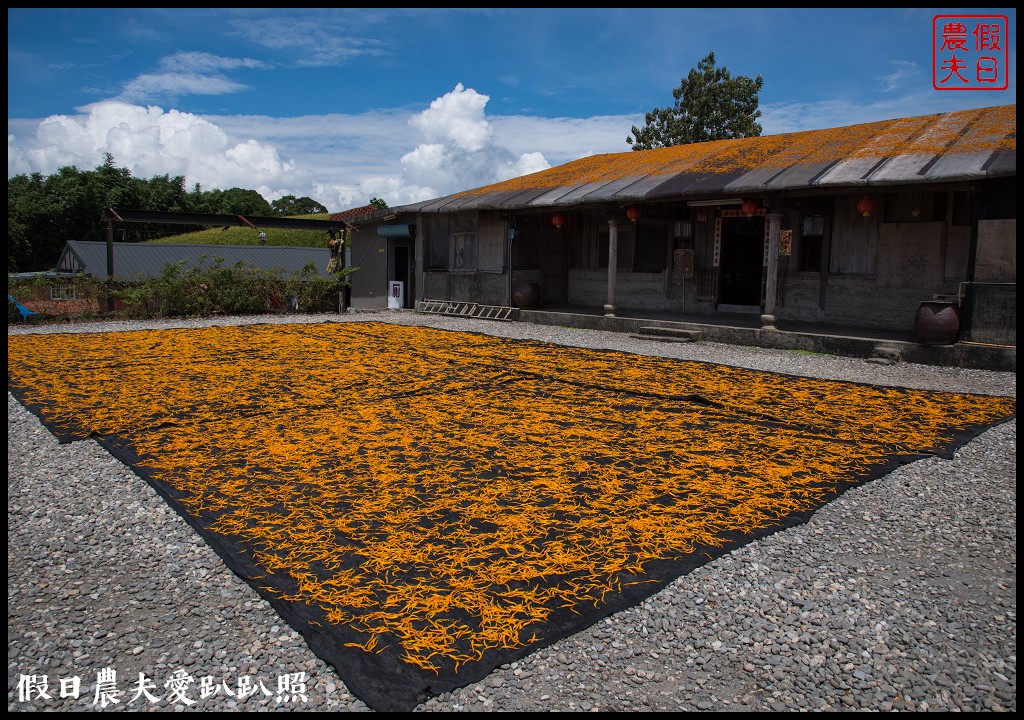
114 186
710 104
166 193
289 205
235 201
28 219
43 213
378 203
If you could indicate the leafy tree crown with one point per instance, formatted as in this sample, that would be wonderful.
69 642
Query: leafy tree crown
709 104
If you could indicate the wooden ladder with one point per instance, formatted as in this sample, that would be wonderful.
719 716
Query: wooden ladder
468 309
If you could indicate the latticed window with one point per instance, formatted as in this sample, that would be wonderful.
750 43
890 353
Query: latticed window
464 251
63 291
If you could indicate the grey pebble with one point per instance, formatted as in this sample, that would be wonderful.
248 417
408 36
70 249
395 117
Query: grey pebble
899 595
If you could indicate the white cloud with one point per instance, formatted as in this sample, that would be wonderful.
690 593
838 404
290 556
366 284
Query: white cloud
456 118
199 62
462 151
528 163
148 86
902 75
187 73
342 161
319 40
339 160
148 142
426 164
564 139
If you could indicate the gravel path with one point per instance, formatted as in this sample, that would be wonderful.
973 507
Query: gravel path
899 595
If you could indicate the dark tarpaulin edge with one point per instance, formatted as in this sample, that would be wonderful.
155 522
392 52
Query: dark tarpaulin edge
384 682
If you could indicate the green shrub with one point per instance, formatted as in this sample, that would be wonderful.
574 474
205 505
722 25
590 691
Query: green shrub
199 291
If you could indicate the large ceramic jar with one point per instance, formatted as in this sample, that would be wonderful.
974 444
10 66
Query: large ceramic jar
526 295
937 322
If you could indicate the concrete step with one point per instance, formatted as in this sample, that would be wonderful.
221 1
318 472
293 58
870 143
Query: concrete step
665 334
885 355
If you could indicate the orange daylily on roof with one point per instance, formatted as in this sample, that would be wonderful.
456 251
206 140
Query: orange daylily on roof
987 130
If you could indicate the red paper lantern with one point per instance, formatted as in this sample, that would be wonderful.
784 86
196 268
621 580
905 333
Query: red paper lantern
558 220
633 213
749 207
866 206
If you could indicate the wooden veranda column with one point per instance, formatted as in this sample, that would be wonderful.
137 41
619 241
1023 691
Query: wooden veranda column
772 282
613 266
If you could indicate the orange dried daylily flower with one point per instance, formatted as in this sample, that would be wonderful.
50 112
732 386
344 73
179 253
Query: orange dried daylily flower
444 494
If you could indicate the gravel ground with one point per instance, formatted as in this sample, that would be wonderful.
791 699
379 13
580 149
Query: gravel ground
899 595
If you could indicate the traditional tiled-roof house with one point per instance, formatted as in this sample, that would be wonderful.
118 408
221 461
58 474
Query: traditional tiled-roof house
855 226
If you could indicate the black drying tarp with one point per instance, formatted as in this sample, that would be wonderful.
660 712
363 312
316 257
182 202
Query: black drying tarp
381 677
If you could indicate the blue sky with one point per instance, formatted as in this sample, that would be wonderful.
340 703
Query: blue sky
343 105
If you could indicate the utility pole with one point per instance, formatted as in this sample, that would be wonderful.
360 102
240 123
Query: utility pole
110 264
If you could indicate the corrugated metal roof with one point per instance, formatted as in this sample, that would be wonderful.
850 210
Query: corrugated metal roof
132 260
945 147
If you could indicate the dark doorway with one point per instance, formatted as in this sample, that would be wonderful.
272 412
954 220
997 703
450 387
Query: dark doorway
401 273
555 266
742 258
